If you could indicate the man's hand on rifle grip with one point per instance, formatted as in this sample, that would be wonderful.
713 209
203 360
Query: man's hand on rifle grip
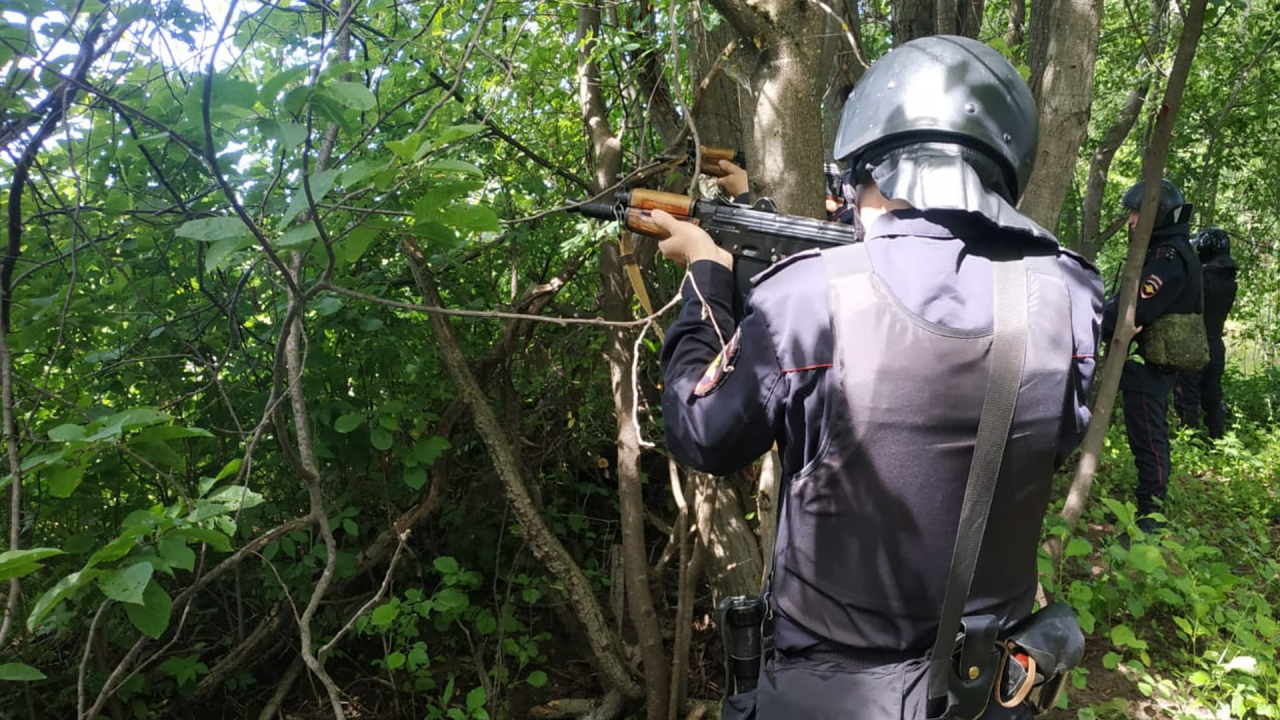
687 243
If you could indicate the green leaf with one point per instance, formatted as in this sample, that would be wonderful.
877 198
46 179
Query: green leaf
475 699
353 95
428 449
237 93
327 305
298 235
175 552
1184 625
458 132
127 585
162 433
1199 677
236 497
407 148
384 614
395 660
1078 546
321 183
272 87
359 171
231 468
18 672
213 229
1111 661
16 563
121 546
210 537
184 669
348 422
152 616
446 565
451 598
356 243
59 592
1122 636
217 253
63 481
67 433
415 477
537 678
1145 558
380 438
449 166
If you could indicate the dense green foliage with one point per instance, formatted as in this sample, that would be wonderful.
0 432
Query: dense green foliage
189 499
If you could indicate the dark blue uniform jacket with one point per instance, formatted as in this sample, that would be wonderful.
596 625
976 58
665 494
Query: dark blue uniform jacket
722 410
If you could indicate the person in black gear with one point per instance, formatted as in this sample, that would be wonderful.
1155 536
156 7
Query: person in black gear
1169 283
867 366
1204 389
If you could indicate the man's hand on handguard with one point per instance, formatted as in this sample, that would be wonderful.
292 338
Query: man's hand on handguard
734 182
687 243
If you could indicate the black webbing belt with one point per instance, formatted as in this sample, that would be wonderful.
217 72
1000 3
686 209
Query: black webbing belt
1008 356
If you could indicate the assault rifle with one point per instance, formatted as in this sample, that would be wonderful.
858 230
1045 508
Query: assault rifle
756 236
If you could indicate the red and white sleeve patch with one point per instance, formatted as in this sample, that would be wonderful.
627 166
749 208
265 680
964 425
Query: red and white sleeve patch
1150 286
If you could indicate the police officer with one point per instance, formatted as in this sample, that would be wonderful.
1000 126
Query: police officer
1170 283
867 365
1204 389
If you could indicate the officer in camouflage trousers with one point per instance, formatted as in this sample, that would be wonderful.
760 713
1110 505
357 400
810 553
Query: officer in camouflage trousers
1204 389
1170 283
866 364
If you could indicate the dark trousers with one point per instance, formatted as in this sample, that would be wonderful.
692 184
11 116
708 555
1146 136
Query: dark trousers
1148 430
1204 390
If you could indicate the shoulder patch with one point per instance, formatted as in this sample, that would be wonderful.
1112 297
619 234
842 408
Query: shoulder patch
777 267
1166 252
719 369
1150 286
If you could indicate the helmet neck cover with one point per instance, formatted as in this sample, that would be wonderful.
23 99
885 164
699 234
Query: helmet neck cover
947 176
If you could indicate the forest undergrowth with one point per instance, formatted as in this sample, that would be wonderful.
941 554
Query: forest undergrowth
1182 623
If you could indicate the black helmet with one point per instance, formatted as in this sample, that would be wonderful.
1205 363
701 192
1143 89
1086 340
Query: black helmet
1210 243
943 88
1168 211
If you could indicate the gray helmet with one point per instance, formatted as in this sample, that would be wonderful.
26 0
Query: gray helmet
943 88
1169 210
1210 243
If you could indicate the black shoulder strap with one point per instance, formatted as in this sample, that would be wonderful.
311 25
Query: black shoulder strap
1008 356
1193 271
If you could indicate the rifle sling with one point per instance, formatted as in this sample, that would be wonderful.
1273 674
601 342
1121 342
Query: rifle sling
1008 356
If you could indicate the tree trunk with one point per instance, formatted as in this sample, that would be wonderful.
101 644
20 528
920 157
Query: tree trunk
1063 48
736 565
604 645
1152 171
843 51
618 353
1016 34
1100 164
910 19
958 17
784 113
